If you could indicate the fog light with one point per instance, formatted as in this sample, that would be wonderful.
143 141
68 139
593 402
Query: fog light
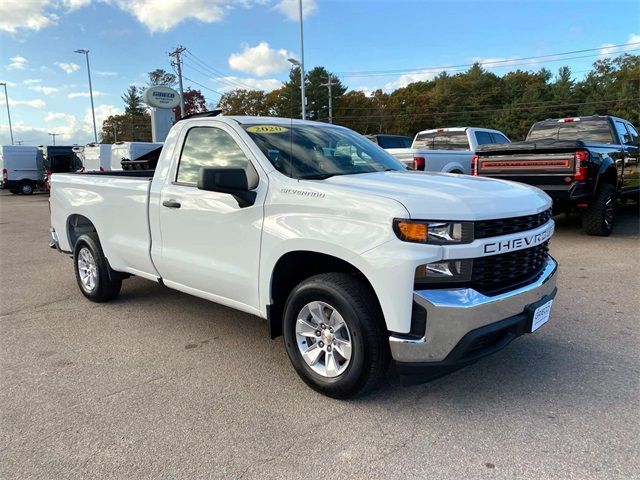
445 271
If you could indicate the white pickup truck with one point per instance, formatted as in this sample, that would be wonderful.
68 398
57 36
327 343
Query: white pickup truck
447 150
356 261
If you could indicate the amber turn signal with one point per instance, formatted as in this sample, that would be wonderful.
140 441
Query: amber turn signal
411 231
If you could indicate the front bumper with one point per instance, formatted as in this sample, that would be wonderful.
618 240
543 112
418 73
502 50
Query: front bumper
464 325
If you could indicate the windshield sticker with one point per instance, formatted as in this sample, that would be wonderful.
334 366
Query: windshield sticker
267 129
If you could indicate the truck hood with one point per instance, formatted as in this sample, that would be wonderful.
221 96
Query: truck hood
441 196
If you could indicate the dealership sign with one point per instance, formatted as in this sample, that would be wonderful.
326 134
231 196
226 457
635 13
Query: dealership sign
161 97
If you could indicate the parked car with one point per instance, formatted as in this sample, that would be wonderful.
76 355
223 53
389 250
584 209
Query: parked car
97 157
129 151
354 262
447 150
391 143
22 169
583 163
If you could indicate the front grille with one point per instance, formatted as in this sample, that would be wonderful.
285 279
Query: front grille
499 273
504 226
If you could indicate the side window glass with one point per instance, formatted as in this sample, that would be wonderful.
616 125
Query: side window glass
622 132
208 147
483 138
498 138
633 133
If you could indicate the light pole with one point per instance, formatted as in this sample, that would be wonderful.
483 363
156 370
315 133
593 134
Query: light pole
6 99
299 65
84 52
54 137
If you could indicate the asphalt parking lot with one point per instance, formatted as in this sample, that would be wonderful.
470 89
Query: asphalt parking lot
158 384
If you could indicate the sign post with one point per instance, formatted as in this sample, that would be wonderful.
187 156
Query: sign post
162 101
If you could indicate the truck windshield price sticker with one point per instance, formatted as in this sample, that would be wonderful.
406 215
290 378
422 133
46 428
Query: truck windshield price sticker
267 129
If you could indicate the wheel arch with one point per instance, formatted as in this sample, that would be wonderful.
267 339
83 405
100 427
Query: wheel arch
78 225
294 267
607 174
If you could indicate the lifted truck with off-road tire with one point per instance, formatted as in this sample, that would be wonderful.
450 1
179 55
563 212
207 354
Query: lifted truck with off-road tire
585 164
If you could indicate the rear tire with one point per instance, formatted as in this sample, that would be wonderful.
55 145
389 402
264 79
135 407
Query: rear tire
599 217
26 188
96 279
347 361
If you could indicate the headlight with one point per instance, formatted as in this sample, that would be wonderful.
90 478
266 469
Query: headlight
445 271
435 232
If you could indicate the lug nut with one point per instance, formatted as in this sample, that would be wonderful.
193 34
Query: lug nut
318 333
330 330
322 326
334 341
321 344
328 348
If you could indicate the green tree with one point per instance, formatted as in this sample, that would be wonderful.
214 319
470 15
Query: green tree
133 101
161 77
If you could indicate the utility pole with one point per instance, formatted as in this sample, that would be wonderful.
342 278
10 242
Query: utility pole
6 99
176 53
54 137
328 85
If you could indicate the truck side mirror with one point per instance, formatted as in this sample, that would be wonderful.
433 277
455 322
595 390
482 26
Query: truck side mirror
233 181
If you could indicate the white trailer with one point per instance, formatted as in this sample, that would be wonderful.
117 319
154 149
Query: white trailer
97 157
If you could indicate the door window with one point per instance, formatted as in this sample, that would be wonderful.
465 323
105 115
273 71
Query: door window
483 138
622 132
635 139
499 138
209 147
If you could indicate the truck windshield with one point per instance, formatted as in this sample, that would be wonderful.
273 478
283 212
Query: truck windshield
455 140
591 130
318 152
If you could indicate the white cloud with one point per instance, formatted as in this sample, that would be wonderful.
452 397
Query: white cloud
610 50
106 74
102 112
25 15
163 16
291 9
226 84
57 116
412 77
44 90
260 60
75 4
36 103
68 67
17 63
96 93
32 81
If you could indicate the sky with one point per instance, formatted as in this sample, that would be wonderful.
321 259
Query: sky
246 43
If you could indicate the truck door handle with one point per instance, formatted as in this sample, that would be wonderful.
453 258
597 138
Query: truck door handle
171 204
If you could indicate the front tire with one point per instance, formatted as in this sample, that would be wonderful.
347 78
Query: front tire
26 188
97 281
335 336
600 215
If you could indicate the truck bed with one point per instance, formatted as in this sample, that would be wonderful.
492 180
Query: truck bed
117 204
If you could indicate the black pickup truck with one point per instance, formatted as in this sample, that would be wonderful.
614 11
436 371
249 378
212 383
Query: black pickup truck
584 164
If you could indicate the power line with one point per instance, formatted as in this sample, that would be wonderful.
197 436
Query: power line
226 83
493 64
204 86
218 75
